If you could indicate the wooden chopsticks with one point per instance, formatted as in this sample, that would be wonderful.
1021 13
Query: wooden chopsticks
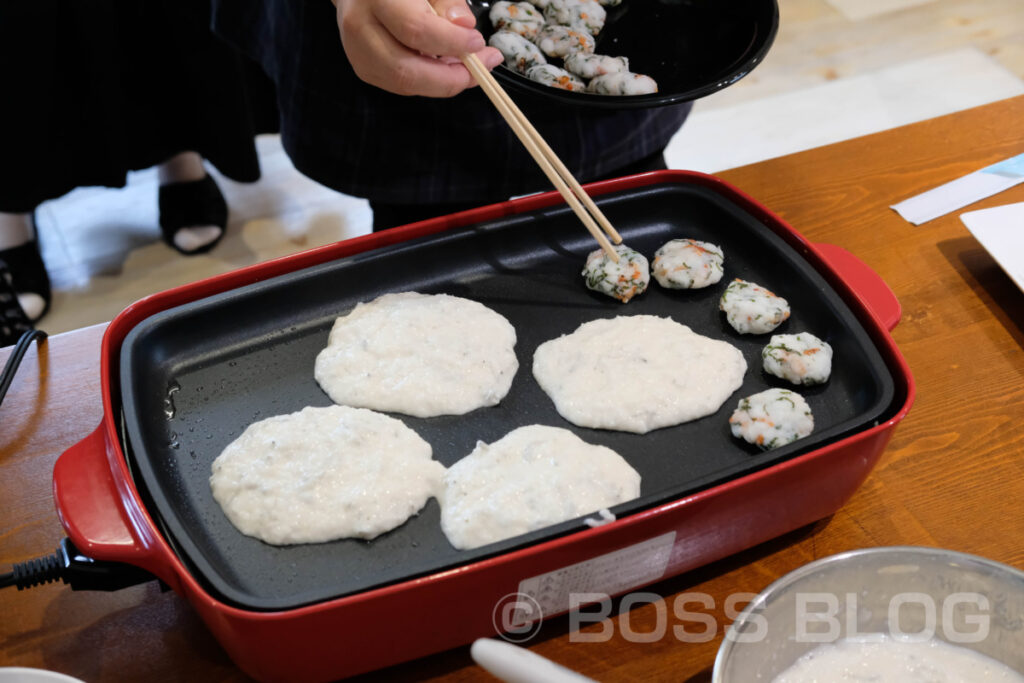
545 157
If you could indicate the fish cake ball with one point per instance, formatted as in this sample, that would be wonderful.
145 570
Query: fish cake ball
623 83
688 264
587 15
798 358
518 17
554 77
520 54
555 40
588 65
772 418
623 280
752 309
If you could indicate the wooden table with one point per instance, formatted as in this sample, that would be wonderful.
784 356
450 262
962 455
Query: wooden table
952 477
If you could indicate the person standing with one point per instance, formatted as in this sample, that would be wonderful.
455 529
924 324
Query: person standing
94 89
374 102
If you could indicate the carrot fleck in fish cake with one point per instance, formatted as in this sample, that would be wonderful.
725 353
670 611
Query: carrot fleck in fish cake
688 264
799 358
752 309
623 280
772 418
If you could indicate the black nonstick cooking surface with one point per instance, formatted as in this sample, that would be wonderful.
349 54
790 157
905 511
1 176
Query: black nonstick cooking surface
193 377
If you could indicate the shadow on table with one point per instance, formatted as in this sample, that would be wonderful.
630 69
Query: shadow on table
136 634
987 279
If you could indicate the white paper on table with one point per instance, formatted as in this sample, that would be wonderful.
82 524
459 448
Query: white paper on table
959 193
1001 231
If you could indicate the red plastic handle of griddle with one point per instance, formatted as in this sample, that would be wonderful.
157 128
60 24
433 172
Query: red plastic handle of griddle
866 284
97 508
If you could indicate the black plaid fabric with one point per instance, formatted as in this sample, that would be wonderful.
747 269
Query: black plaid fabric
360 140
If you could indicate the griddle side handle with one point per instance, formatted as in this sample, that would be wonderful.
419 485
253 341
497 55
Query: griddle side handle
866 284
97 508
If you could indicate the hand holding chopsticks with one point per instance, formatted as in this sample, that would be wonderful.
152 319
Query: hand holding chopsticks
579 201
403 48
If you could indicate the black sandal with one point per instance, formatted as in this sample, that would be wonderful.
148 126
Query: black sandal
192 204
13 321
24 271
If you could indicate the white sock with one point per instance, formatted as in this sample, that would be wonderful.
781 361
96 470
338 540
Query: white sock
15 229
32 304
196 237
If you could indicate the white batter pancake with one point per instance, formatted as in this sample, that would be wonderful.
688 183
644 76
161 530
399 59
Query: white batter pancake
419 354
533 477
882 658
637 373
324 473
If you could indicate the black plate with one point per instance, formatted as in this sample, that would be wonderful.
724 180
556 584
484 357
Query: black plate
218 364
692 48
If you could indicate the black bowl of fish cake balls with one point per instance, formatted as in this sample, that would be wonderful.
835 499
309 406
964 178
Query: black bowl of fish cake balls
671 51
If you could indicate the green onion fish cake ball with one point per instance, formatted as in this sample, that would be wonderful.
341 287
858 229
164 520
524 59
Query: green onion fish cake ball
799 358
518 17
772 418
554 77
588 65
752 309
622 83
623 280
520 54
555 40
688 264
582 15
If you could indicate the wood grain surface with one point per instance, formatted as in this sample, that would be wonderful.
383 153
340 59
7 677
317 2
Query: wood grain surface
952 477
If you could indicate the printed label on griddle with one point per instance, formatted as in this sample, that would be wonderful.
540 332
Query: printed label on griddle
613 573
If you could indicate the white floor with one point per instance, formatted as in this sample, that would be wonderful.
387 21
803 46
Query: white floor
820 84
862 9
103 249
717 138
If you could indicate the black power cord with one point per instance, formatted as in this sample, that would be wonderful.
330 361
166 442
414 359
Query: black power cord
75 569
14 360
67 563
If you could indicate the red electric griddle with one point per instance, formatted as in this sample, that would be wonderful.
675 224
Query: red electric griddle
185 371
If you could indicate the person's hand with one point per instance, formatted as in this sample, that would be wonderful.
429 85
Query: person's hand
403 47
